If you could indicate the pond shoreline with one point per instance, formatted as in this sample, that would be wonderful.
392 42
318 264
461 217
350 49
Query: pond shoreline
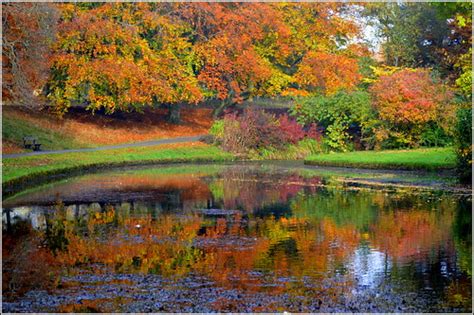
17 185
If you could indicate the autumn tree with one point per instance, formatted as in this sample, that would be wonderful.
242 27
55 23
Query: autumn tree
120 57
423 34
235 44
406 101
256 49
28 29
327 73
127 56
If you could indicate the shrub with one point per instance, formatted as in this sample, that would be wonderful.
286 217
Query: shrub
217 129
435 136
463 137
258 133
300 150
292 131
252 130
408 103
337 137
338 114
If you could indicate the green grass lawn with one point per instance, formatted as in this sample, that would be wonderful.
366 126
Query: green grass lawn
24 171
426 159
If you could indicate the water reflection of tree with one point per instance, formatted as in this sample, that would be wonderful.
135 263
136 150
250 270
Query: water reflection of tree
296 237
26 263
250 190
413 231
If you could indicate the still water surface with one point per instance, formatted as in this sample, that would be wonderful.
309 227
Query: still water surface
246 237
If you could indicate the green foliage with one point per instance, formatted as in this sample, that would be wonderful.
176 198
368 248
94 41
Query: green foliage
366 69
337 137
463 138
435 136
55 235
462 228
464 82
217 129
343 207
398 24
337 114
419 34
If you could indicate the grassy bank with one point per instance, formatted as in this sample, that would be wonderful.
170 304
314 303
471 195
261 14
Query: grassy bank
13 131
25 172
426 159
80 129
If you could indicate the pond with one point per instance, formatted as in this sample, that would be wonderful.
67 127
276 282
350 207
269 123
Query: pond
246 237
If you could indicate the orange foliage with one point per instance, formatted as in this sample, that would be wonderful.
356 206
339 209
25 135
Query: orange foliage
328 72
227 40
27 265
409 97
110 65
133 55
27 29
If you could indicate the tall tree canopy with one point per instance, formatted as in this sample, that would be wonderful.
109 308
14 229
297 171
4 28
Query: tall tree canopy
423 34
128 55
121 57
28 29
124 56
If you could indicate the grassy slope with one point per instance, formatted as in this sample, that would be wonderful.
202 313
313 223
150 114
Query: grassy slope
23 169
13 130
82 130
430 159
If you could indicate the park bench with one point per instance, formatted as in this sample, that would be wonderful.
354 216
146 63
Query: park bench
30 142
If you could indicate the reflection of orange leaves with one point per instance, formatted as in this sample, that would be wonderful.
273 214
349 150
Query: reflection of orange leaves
338 242
408 234
217 230
99 218
123 252
190 188
27 265
92 306
223 304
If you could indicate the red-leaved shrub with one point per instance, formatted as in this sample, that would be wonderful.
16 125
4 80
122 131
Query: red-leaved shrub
292 132
255 129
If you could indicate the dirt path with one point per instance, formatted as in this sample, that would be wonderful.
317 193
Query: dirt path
108 147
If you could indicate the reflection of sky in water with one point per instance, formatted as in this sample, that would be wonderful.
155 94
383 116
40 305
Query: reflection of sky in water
369 266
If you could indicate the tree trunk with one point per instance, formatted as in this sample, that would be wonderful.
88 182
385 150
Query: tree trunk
220 109
174 113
